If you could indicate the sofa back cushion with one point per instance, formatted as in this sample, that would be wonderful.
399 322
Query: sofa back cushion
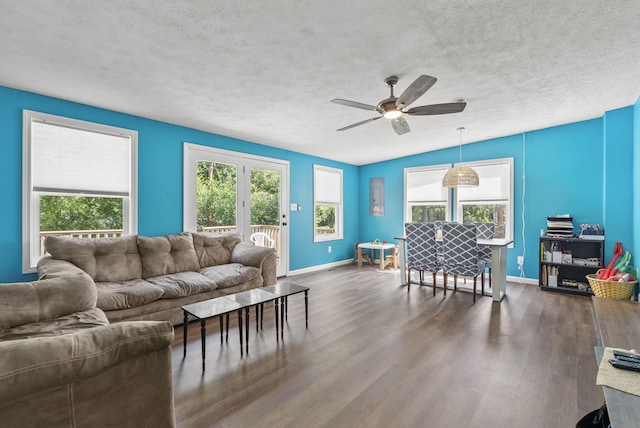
163 255
104 259
29 302
214 249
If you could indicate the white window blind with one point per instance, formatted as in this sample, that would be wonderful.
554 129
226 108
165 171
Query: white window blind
72 160
426 185
495 183
327 185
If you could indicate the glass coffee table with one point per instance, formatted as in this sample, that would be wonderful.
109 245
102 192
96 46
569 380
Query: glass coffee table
206 309
283 290
221 306
255 297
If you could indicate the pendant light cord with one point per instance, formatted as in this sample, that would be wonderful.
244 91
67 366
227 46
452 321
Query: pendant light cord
460 145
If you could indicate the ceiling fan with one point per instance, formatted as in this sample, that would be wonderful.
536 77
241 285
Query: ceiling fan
393 108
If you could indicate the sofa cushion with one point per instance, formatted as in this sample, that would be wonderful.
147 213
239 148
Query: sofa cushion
183 284
28 302
126 295
231 274
214 248
104 259
64 325
163 255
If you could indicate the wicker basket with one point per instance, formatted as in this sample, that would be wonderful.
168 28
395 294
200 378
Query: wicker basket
611 289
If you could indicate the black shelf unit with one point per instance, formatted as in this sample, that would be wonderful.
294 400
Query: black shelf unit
567 272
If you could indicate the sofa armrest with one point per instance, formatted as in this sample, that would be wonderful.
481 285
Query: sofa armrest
32 365
28 302
260 257
48 267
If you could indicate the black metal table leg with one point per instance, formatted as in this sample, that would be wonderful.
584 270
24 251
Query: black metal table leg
257 317
306 308
286 308
275 306
261 314
203 338
227 330
282 305
185 329
221 329
240 330
247 329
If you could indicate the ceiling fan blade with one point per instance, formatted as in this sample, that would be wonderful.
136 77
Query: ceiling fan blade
437 109
400 125
415 90
353 104
359 123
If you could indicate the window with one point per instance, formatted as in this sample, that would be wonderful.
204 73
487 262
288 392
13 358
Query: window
327 203
425 198
492 200
79 180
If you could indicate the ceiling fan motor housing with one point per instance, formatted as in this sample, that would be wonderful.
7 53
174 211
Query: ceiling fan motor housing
388 104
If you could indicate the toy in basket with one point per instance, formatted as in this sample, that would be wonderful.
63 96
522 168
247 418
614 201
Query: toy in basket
614 289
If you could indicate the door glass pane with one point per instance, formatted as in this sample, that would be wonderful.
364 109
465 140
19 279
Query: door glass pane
216 196
265 208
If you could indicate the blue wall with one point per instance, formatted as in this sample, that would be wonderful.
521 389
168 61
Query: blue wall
584 168
160 153
564 172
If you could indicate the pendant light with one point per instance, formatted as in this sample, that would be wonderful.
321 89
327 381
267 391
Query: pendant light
460 176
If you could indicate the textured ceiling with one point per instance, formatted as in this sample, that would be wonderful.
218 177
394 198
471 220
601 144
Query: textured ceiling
265 71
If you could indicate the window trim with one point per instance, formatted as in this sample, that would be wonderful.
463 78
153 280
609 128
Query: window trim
30 197
339 233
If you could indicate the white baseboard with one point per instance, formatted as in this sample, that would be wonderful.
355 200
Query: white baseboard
522 280
320 267
518 279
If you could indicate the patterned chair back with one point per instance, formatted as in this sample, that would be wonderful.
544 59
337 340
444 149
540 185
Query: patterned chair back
485 231
460 248
421 246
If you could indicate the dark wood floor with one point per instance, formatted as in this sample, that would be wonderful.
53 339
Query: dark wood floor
377 356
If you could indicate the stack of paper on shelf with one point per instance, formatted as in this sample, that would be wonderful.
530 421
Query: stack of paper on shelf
560 227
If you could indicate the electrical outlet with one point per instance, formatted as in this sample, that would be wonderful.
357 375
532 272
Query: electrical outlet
520 260
329 249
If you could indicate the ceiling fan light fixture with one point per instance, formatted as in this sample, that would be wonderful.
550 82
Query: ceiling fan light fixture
392 114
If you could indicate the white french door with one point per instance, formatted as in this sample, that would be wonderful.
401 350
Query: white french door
231 191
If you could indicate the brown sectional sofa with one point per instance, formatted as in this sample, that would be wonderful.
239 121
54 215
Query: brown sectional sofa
63 365
150 278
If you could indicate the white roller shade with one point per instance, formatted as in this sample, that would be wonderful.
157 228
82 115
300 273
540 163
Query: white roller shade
327 186
494 184
79 161
426 186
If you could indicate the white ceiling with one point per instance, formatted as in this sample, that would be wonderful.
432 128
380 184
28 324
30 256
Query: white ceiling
265 71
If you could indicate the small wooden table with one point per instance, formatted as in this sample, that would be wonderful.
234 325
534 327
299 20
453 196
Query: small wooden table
373 247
